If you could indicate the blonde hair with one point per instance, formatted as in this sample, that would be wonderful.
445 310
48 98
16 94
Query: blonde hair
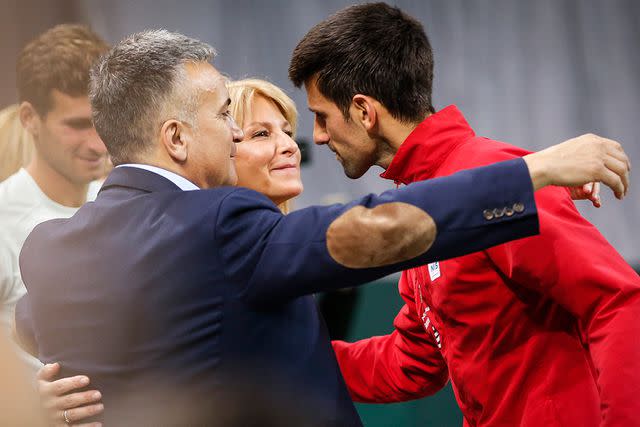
242 93
16 144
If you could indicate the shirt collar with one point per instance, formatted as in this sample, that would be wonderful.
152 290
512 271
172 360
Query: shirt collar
178 180
428 145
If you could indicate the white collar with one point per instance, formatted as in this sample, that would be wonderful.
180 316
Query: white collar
178 180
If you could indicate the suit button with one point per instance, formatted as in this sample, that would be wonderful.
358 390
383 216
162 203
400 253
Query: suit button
518 207
488 214
508 211
498 213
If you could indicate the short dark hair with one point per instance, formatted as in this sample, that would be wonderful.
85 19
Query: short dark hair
373 49
135 86
60 58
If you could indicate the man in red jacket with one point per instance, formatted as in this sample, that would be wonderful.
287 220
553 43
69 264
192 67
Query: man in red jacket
538 332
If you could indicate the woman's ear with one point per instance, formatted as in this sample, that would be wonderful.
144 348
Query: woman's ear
30 119
175 139
363 110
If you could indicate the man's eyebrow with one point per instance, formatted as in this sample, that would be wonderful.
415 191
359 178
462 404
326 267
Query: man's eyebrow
78 122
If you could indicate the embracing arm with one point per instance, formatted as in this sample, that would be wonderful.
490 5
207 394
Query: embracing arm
277 256
401 366
304 252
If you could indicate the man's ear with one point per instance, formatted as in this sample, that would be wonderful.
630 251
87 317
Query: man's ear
175 140
30 118
363 110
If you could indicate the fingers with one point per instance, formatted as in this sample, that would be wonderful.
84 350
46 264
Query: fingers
48 372
615 149
587 189
594 195
62 386
79 414
77 399
619 168
591 192
613 181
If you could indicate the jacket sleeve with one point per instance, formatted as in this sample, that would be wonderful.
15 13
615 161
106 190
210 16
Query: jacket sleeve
401 366
276 256
571 262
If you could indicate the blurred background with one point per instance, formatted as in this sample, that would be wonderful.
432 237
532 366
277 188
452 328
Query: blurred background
528 73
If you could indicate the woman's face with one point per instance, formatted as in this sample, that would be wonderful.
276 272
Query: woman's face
268 159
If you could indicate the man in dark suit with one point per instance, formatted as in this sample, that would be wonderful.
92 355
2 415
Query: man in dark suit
173 285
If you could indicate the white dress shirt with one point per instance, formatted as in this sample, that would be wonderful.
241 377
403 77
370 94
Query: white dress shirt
178 180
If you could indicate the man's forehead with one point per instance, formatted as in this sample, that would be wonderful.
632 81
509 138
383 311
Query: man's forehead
316 101
205 76
61 103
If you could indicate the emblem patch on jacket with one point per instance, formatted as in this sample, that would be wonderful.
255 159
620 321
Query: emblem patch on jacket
434 270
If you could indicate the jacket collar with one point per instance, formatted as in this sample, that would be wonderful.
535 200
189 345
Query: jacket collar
139 179
428 145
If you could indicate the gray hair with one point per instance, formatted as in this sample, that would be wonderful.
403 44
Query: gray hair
138 85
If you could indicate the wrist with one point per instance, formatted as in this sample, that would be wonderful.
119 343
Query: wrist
538 170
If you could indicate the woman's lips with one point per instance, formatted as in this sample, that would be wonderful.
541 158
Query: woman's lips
285 168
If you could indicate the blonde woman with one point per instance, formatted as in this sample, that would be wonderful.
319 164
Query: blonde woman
267 161
16 144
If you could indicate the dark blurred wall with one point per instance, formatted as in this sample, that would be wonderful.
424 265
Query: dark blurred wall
20 21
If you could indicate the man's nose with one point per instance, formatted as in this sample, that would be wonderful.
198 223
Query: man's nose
236 132
320 135
95 143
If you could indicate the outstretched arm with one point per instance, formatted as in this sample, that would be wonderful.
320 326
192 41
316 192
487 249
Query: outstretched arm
280 256
306 251
400 366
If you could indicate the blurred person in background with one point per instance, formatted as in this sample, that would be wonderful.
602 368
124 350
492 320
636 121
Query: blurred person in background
540 331
54 118
16 144
174 278
54 111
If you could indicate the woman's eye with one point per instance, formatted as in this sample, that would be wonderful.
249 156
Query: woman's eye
289 133
260 134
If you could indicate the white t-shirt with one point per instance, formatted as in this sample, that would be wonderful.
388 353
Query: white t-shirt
23 205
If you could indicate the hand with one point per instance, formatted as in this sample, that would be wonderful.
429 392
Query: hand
578 161
55 400
590 191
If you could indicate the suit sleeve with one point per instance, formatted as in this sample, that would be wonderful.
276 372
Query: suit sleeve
279 256
401 366
571 262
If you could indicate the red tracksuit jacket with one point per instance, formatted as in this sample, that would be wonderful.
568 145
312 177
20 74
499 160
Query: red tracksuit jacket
543 331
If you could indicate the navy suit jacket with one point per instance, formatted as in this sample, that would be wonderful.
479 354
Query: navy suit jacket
153 288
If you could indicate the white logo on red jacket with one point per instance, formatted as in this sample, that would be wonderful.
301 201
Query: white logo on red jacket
427 322
434 270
